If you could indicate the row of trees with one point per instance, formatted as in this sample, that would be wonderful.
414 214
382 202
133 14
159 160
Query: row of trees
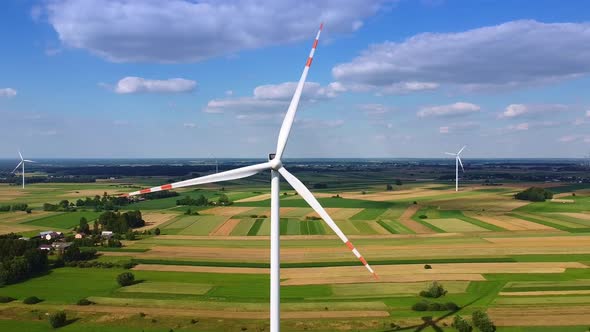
534 194
63 206
121 223
15 207
201 200
20 260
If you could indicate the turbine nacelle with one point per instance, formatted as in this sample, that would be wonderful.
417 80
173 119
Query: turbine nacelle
274 162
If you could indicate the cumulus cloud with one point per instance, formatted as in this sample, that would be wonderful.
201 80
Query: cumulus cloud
271 97
456 109
375 109
318 124
523 110
511 54
458 127
186 30
137 85
189 125
588 113
574 138
7 93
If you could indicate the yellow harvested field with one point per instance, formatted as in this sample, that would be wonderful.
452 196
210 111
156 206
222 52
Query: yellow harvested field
201 269
15 217
393 195
89 192
227 211
540 293
15 228
226 314
338 213
583 216
406 220
416 272
541 316
155 219
561 200
261 197
507 222
225 228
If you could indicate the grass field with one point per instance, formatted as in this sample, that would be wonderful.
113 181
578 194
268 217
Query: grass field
209 272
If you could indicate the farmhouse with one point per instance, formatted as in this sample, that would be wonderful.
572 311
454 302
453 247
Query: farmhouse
107 234
45 247
80 235
50 235
61 246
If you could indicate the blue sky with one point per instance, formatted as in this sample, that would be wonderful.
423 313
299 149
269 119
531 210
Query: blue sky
407 78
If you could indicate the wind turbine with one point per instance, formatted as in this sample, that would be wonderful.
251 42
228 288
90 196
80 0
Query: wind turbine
457 163
275 165
22 162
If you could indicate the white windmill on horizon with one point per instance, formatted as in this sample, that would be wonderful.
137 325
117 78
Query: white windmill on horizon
275 165
22 163
457 163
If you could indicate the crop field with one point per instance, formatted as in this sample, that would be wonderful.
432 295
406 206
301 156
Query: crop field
527 264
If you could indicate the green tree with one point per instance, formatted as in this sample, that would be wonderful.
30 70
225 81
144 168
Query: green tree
125 279
389 187
157 231
57 319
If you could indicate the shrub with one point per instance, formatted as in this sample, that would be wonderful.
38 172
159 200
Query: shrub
427 267
420 306
433 306
435 290
125 279
32 300
452 306
423 216
461 324
157 231
482 321
128 265
84 302
57 319
6 299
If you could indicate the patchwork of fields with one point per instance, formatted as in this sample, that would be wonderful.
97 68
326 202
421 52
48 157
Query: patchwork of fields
526 263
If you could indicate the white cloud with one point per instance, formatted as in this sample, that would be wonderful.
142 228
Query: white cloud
229 93
458 127
588 113
189 125
522 110
375 109
271 97
520 126
510 54
456 109
120 122
186 30
318 124
7 93
574 138
137 85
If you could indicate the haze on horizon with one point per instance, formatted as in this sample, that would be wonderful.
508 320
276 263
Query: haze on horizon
392 79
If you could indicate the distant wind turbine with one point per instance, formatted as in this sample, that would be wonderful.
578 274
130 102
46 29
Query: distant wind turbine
22 163
457 163
275 165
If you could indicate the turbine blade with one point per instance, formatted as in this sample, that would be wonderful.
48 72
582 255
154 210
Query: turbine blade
451 154
463 148
20 154
313 202
29 161
17 166
290 116
233 174
460 163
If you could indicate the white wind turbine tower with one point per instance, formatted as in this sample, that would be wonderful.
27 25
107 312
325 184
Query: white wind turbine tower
457 163
275 165
22 163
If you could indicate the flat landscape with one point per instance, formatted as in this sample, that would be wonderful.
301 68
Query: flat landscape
526 263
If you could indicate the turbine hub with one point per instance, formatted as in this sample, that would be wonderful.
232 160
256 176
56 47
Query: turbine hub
275 163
